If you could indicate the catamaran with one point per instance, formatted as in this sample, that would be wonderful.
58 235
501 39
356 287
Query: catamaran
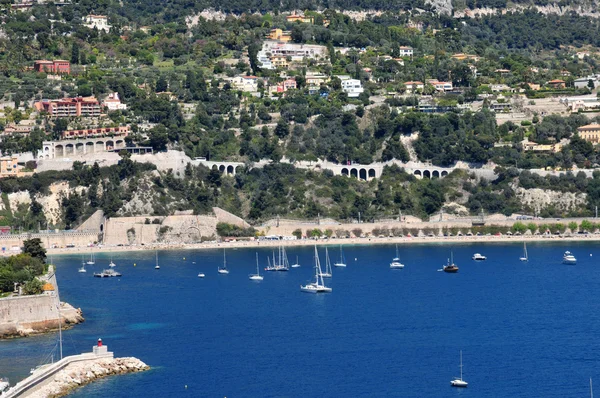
459 382
280 263
223 270
524 257
342 262
328 271
257 276
91 261
396 261
318 286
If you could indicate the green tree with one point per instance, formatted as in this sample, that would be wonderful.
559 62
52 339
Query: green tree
586 225
34 248
75 53
519 227
573 226
297 233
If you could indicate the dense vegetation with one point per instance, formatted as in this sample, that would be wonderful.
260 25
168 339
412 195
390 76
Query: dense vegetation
23 268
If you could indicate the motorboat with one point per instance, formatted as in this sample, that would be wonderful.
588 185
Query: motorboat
257 276
201 275
223 270
459 382
569 258
318 286
342 262
450 267
396 261
107 273
479 257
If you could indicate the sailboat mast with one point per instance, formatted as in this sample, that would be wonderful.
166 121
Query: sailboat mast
591 389
461 365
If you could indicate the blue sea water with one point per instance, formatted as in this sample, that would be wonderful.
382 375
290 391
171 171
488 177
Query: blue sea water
525 329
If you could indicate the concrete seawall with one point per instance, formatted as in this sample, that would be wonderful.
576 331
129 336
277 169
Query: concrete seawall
25 315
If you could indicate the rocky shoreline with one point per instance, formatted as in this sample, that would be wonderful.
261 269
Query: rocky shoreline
77 375
69 314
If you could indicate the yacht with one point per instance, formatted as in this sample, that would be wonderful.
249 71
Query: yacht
525 257
342 262
328 271
4 384
107 273
450 267
318 286
280 263
201 275
459 382
223 270
479 257
569 258
257 276
396 261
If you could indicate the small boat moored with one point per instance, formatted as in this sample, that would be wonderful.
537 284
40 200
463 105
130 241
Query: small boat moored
450 267
569 258
396 261
479 257
107 273
201 275
459 382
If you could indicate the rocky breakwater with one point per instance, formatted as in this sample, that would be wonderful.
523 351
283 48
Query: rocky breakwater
79 374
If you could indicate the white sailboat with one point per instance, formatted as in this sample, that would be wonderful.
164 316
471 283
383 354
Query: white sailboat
459 382
342 262
156 266
318 286
257 276
91 261
82 269
396 261
111 264
328 271
297 265
524 257
223 270
280 263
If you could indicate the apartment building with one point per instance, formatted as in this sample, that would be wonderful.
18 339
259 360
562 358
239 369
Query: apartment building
295 52
96 132
57 66
590 132
70 107
352 87
99 22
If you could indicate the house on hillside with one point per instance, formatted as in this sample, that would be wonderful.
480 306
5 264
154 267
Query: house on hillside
590 133
556 83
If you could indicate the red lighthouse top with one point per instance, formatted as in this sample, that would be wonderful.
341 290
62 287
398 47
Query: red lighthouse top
99 342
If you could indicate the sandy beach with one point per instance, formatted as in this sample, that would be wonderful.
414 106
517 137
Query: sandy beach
332 241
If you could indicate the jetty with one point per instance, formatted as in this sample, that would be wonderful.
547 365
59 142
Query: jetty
59 378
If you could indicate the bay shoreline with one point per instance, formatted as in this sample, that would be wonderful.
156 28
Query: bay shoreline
257 244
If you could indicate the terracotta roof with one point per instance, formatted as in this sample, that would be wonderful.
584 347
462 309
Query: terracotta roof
48 287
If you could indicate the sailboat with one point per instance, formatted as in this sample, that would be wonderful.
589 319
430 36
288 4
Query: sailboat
318 286
111 264
91 261
82 269
297 265
450 267
328 271
524 257
257 276
342 262
396 261
459 382
156 266
280 263
223 270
